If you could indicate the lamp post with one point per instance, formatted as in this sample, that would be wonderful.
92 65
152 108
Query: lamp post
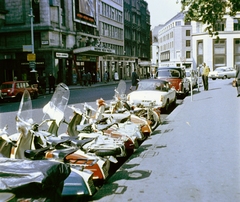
32 16
32 57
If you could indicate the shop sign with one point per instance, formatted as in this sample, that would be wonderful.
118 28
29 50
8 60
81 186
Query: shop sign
45 42
105 50
86 58
62 55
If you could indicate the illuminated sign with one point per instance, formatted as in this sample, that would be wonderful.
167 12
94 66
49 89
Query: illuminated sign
84 11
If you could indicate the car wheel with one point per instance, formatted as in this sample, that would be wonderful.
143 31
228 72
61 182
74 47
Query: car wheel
213 78
224 77
167 106
174 103
35 96
18 97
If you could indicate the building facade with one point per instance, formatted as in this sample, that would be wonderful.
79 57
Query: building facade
175 45
137 36
69 37
216 53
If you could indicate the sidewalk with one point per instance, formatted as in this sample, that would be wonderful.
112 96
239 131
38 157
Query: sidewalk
193 156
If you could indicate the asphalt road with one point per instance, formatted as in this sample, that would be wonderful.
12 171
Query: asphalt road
78 96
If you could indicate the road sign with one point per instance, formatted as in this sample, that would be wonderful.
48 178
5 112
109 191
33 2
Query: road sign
27 48
32 64
31 57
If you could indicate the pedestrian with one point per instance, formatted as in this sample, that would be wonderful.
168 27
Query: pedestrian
94 78
135 79
105 76
205 73
51 83
42 83
84 78
89 79
116 77
238 80
108 78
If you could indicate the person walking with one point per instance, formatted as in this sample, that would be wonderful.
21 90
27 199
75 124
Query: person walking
51 82
105 76
205 73
116 77
84 78
89 79
135 79
238 80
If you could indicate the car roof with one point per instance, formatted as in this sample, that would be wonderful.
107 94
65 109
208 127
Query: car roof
154 81
224 67
9 82
179 68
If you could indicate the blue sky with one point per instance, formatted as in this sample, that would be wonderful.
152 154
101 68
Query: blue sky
162 10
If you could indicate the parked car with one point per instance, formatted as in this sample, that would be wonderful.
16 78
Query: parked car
192 75
15 89
177 78
222 73
153 90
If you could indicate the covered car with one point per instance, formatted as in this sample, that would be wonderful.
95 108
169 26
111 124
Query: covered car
33 179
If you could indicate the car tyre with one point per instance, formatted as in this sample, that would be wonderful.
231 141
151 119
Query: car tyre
166 108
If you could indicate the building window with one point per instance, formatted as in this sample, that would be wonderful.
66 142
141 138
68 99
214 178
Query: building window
188 54
188 43
188 33
36 11
64 41
219 26
63 13
237 51
219 53
178 23
199 52
236 24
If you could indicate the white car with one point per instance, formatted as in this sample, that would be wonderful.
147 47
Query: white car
222 73
153 90
192 75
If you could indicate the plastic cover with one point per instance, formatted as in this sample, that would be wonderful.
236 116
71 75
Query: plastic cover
39 178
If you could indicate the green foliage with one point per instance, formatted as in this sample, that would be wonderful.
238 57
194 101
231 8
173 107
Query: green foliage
209 11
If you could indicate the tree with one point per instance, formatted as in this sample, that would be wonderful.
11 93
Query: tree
209 11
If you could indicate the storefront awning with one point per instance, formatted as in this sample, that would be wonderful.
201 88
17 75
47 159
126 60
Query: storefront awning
94 51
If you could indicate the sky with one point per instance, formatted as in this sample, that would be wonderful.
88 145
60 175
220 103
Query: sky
162 10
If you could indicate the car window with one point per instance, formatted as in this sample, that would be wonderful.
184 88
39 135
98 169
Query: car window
169 73
175 73
5 86
18 85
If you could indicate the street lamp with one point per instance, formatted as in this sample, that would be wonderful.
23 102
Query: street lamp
32 63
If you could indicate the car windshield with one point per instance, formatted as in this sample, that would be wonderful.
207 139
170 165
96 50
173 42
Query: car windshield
4 86
174 73
153 86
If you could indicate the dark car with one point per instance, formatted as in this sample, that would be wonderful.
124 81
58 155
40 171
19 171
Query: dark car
176 76
15 89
